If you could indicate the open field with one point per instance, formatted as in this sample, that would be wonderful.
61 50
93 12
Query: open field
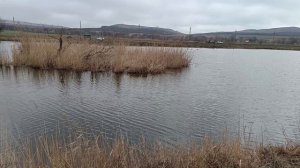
82 152
86 56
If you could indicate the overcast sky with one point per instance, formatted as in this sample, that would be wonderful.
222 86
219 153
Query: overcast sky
201 15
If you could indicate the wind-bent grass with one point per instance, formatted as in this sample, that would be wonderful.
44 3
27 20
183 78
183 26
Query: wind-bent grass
94 57
81 152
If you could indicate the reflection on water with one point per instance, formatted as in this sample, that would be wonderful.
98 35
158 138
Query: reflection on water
223 89
45 101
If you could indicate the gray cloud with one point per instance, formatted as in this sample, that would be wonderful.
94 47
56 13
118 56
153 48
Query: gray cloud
202 15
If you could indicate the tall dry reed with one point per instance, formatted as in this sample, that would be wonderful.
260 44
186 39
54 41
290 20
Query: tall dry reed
149 59
94 57
45 55
4 60
81 152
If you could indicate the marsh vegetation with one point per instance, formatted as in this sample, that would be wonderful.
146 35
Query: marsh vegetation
173 108
82 152
86 56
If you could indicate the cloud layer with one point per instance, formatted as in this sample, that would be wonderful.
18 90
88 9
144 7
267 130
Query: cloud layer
201 15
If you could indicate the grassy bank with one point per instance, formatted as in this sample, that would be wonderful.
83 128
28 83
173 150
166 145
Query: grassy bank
85 56
81 152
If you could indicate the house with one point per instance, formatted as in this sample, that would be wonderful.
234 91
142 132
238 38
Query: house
100 38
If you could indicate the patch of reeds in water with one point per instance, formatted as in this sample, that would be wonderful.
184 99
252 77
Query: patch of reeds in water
81 152
84 56
149 59
4 59
47 55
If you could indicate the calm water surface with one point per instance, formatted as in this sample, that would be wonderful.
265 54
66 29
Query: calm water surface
255 91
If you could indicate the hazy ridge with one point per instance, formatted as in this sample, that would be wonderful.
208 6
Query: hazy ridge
137 30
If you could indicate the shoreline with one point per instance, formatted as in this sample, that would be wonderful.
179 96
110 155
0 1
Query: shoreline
148 42
78 151
155 43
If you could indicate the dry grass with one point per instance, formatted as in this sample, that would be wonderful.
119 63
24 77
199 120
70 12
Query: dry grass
280 156
4 59
149 59
45 55
81 152
84 56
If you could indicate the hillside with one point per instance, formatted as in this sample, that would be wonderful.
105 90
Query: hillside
118 29
258 33
124 30
131 29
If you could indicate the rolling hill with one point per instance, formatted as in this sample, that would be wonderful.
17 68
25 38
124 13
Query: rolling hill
258 33
152 32
117 29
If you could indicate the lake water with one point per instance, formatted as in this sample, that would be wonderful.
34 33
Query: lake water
256 91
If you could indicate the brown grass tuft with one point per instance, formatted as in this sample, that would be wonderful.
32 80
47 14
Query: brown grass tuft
280 156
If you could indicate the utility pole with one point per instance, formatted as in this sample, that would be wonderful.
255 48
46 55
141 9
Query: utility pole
190 32
140 32
80 29
14 23
235 35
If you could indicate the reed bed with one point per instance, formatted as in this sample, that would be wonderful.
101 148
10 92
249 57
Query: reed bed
84 56
4 60
47 55
82 152
149 59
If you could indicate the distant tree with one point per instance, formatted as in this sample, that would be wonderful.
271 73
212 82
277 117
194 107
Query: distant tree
253 39
292 40
241 39
280 41
232 38
1 25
